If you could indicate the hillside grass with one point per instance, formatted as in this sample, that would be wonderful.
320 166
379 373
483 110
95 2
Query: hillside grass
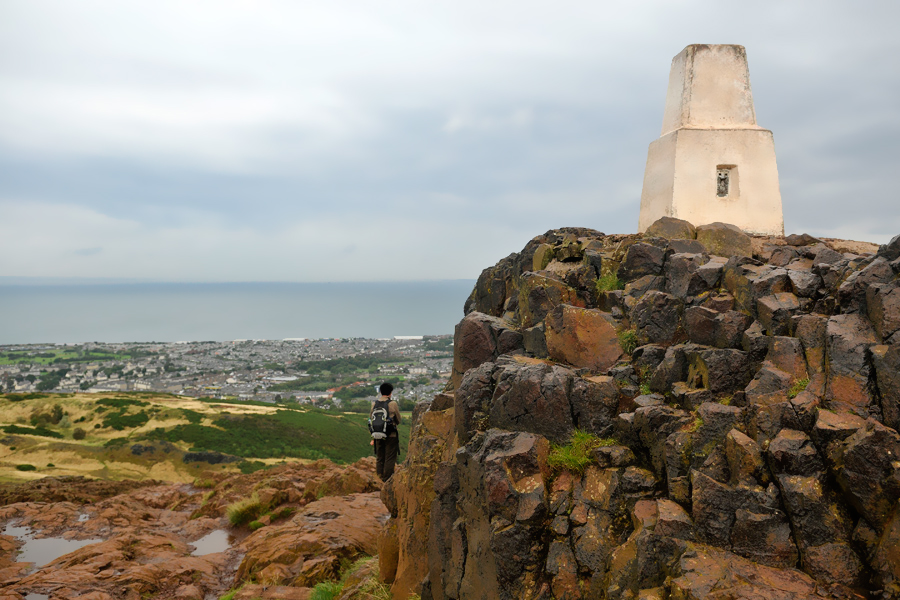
263 434
310 433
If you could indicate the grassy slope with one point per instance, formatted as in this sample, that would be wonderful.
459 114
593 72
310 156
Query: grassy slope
255 432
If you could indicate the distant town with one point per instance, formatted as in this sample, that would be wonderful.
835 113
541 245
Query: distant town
329 373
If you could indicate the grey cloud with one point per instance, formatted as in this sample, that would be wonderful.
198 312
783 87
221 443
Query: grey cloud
515 114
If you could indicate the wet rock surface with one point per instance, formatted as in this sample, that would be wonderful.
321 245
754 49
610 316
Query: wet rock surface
747 426
140 538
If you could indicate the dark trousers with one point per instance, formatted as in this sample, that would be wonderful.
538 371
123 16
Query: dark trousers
386 452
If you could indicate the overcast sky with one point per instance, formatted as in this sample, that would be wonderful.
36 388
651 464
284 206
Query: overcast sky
340 141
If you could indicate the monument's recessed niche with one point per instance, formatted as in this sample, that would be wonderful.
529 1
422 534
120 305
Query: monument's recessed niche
727 182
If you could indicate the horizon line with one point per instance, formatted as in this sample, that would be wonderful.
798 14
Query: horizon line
24 280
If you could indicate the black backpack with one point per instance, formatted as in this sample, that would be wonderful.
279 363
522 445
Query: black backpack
380 422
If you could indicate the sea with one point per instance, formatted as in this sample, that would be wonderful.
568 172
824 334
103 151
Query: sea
173 312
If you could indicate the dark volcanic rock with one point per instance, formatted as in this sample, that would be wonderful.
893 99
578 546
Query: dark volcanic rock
802 239
891 250
719 370
725 240
848 339
642 259
671 228
481 338
883 308
867 468
886 360
747 448
657 317
533 398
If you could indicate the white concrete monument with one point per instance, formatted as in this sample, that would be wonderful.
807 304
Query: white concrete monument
712 161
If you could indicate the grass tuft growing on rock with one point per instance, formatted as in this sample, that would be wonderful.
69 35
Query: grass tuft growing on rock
628 339
327 590
244 511
798 387
361 584
608 283
231 593
577 454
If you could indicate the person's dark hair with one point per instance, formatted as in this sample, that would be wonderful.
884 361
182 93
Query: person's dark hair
385 389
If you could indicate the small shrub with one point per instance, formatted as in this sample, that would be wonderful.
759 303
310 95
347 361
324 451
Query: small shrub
244 511
576 455
204 484
608 283
254 525
798 387
192 416
79 434
119 420
40 430
49 465
628 339
26 468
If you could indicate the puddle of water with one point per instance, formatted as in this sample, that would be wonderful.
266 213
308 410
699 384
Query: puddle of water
42 551
36 597
214 541
83 517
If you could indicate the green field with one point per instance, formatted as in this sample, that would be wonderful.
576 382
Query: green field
309 433
49 356
92 434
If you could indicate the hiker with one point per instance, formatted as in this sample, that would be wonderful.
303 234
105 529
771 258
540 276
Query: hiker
383 421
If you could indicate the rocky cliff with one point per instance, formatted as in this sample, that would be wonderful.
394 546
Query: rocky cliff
735 401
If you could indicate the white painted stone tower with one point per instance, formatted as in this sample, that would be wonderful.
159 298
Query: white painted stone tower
712 161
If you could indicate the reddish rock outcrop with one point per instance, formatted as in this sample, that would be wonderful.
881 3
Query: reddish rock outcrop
309 548
140 542
765 465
